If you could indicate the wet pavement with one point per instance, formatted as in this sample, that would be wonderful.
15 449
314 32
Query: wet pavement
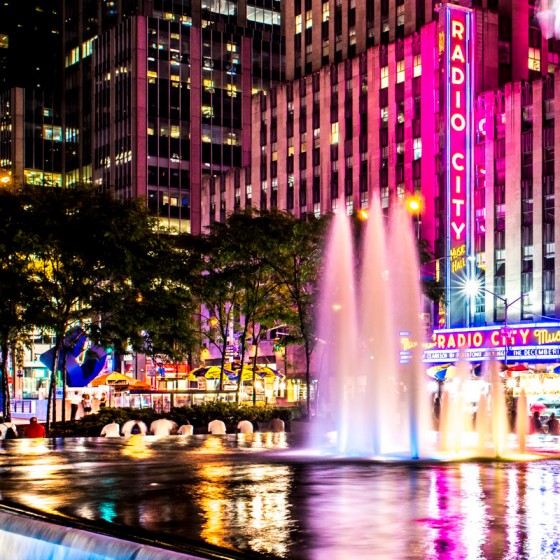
263 493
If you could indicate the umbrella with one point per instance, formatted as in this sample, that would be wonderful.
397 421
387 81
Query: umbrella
210 372
443 372
538 407
513 371
262 372
555 369
119 381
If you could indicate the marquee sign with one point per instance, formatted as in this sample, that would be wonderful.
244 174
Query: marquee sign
524 343
457 45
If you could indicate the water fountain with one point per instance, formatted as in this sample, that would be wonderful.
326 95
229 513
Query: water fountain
373 389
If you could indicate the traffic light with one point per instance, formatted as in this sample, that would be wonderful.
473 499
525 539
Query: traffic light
277 345
109 350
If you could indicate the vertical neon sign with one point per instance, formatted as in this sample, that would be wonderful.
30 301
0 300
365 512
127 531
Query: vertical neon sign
457 34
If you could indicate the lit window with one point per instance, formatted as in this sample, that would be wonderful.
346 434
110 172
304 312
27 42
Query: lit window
152 76
325 11
207 111
417 66
231 90
400 15
175 131
352 36
87 47
231 47
553 61
400 71
303 142
384 115
325 49
334 133
384 77
308 19
534 59
298 23
417 148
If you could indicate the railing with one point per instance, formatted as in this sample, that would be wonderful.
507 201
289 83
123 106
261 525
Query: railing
23 406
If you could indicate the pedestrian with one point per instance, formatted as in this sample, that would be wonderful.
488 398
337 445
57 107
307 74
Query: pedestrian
553 425
86 404
111 430
103 401
134 427
436 411
186 429
536 424
34 429
74 404
163 427
245 427
277 425
217 427
8 430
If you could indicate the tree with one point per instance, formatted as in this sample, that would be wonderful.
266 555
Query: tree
15 285
93 255
295 255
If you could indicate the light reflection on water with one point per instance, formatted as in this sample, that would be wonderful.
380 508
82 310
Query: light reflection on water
251 493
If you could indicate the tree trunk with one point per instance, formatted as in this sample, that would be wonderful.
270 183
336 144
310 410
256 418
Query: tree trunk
63 375
51 399
6 412
308 379
255 374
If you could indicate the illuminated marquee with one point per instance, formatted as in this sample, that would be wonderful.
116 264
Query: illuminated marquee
458 83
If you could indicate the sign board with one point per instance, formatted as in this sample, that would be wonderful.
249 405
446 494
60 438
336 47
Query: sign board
521 343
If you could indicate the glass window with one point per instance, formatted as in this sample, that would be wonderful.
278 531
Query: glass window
384 77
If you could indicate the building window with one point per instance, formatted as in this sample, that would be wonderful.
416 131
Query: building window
400 15
334 133
308 19
417 66
325 11
400 71
417 148
384 77
298 24
534 59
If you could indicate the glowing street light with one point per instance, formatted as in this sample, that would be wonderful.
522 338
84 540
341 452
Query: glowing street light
473 287
414 204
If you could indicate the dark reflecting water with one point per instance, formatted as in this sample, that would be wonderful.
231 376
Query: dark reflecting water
261 493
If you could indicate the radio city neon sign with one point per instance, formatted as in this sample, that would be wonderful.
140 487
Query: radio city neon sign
458 99
495 337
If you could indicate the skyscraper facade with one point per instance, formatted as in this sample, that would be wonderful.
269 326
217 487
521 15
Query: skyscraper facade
157 94
453 103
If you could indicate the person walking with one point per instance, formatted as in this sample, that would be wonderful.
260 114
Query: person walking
86 404
74 405
34 429
553 425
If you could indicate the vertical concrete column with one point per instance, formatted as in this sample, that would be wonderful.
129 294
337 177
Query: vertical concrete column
537 299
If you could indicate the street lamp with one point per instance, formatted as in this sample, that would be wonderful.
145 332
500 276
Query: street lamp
414 205
473 287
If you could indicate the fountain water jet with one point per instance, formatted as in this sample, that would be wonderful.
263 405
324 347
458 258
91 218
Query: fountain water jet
378 403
